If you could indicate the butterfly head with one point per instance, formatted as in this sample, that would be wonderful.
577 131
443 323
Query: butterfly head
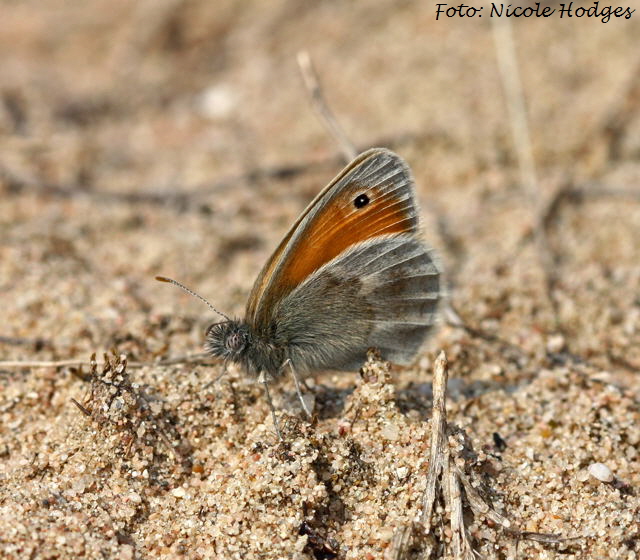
228 340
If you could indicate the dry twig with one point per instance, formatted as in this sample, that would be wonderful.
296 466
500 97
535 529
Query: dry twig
310 77
200 358
451 481
439 453
508 66
442 480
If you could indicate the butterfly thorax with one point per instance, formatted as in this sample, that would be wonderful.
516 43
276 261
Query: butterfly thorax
237 342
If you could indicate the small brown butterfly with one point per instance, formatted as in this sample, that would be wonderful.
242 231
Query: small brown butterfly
351 274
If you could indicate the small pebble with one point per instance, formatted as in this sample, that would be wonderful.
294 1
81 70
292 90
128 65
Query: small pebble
217 101
601 472
179 492
135 498
556 343
391 432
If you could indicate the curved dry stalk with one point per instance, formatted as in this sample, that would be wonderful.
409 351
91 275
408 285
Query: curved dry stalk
312 83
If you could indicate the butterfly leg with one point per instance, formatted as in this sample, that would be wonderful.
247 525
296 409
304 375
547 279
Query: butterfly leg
263 380
219 377
298 390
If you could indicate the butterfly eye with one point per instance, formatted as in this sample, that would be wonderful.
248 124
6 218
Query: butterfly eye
361 200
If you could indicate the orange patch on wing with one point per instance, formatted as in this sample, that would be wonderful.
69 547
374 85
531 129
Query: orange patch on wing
263 278
340 225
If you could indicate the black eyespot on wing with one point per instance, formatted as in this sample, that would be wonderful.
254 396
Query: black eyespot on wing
361 201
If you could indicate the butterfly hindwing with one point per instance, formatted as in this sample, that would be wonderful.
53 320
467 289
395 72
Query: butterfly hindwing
388 287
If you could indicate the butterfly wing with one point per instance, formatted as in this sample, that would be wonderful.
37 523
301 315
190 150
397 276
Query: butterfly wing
372 196
381 293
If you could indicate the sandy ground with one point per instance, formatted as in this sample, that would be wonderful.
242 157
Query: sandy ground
176 138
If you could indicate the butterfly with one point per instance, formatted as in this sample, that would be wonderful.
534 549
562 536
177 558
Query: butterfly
351 274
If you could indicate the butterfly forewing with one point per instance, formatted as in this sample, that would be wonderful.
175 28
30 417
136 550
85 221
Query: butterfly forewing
371 197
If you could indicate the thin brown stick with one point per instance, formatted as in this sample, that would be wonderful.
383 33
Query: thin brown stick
478 504
199 358
82 408
516 106
438 462
461 544
42 364
21 341
439 452
442 479
618 120
312 83
400 543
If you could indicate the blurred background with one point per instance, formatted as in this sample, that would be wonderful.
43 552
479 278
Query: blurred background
177 137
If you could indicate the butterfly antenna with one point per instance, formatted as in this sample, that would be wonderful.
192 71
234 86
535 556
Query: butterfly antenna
172 281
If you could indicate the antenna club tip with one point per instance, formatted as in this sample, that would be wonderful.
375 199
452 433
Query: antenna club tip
162 279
